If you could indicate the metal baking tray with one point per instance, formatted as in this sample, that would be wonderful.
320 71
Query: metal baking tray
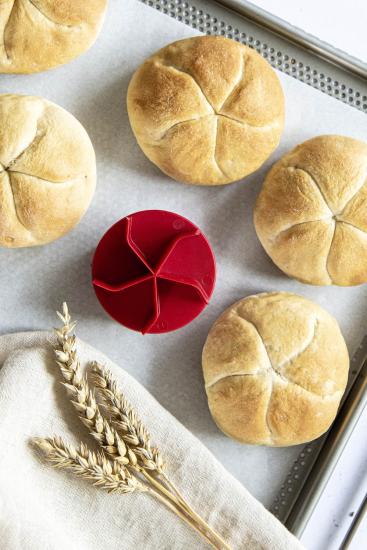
343 77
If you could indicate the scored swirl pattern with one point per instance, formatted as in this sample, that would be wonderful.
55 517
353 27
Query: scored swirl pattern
311 214
215 113
206 111
40 34
335 217
275 367
37 177
275 372
14 7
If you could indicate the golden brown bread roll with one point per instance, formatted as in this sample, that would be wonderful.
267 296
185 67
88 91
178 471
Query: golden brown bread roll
311 214
275 368
40 34
47 171
206 110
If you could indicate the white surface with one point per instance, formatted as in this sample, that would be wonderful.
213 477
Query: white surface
341 24
342 498
33 282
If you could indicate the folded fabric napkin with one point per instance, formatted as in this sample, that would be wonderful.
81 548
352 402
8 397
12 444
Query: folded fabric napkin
43 508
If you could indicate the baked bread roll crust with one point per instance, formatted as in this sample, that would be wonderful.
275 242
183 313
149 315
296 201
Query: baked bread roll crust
275 368
206 110
311 214
40 34
47 171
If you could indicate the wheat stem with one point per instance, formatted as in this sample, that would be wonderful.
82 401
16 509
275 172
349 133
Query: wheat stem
184 506
181 499
181 515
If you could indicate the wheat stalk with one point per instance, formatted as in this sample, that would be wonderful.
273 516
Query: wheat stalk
84 463
82 397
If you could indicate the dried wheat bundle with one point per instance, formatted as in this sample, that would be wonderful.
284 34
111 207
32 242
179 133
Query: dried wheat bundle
127 462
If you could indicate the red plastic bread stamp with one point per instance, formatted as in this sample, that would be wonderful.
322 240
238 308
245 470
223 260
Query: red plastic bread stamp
153 271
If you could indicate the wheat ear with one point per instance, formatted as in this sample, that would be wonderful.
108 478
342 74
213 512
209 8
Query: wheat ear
125 420
82 397
84 463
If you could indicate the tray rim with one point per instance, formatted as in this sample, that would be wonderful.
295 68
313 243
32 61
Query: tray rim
298 36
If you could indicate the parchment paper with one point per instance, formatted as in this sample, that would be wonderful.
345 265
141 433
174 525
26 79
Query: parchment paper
34 282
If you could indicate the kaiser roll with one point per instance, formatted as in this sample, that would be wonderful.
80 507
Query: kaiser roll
311 214
206 110
47 171
275 368
40 34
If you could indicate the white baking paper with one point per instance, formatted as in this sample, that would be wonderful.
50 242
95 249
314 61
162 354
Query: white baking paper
34 282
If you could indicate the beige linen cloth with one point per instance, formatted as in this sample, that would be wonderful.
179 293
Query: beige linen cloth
42 508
